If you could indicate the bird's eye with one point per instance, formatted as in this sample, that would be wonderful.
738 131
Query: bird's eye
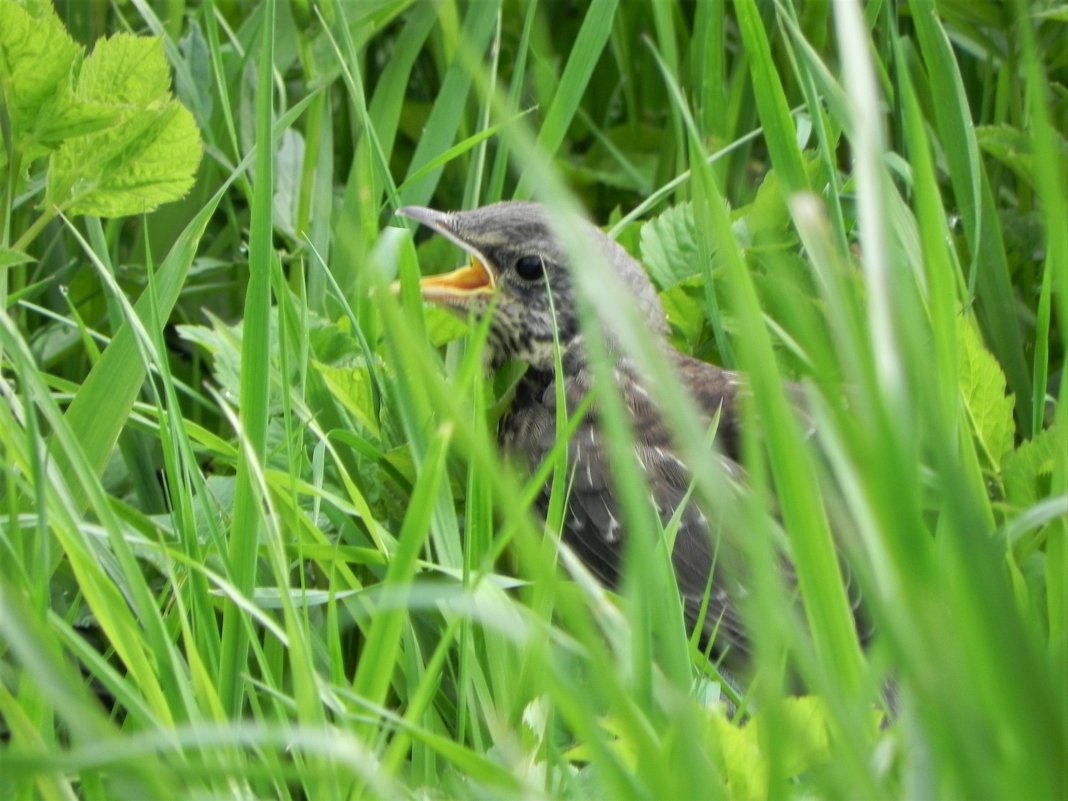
530 268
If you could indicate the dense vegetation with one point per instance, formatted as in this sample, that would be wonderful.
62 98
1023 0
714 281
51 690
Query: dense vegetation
257 539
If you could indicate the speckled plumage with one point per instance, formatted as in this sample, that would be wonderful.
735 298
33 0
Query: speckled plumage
500 237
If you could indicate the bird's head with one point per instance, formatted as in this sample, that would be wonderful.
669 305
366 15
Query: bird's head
518 263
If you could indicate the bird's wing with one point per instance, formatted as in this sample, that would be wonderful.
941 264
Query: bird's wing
705 563
593 524
718 392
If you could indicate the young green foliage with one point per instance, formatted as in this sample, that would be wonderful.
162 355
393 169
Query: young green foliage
37 60
150 152
117 142
988 408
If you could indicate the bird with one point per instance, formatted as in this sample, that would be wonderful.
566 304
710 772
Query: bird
520 272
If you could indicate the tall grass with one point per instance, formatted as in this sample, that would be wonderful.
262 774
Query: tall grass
258 539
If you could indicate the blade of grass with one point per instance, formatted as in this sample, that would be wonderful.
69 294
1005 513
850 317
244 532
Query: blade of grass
988 276
590 42
375 670
445 117
255 391
779 130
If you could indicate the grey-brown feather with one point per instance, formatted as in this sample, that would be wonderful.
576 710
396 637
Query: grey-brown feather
594 523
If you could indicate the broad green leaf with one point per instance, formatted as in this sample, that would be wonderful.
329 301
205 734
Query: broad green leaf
37 57
745 769
982 385
668 249
684 306
147 160
1028 470
668 243
126 70
148 157
442 326
222 343
68 118
616 730
808 742
353 389
1009 145
742 752
766 221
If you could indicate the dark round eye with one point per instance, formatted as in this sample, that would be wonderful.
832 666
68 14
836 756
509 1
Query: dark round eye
530 268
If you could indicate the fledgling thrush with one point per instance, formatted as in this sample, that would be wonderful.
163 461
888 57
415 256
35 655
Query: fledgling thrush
516 262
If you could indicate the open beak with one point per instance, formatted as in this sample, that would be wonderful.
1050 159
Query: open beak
468 282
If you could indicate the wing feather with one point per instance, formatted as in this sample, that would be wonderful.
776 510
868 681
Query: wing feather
593 524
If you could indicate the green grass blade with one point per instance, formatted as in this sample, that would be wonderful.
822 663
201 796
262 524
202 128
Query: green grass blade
255 394
592 36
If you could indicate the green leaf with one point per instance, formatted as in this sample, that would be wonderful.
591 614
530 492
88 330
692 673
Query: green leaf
743 766
668 249
801 732
442 326
1012 147
222 343
766 220
1028 470
37 57
71 118
148 157
668 243
684 306
126 70
353 388
982 385
1009 145
806 742
12 258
